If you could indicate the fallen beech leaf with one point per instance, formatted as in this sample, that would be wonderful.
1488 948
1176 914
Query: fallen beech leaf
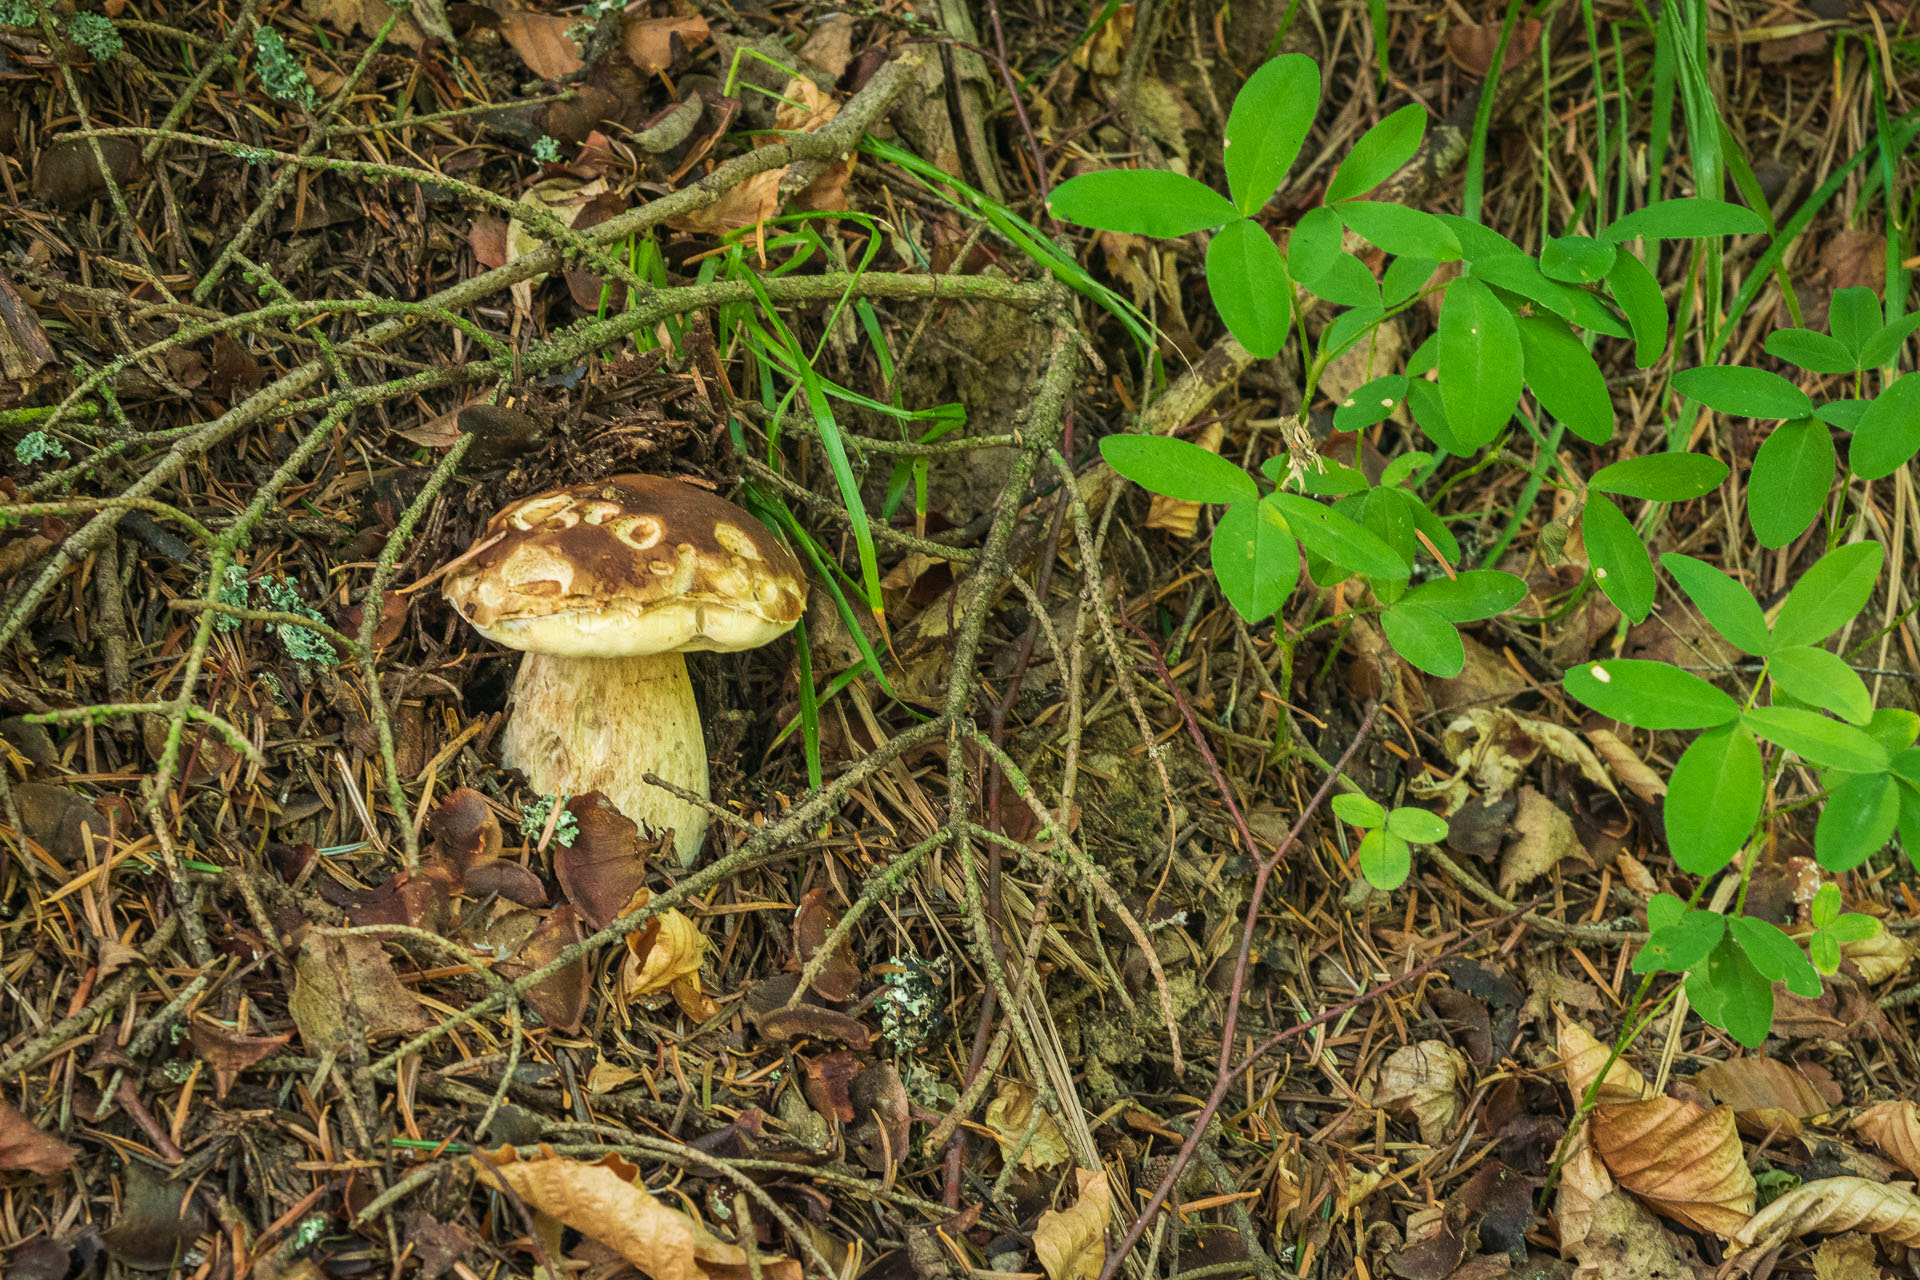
228 1052
1496 747
828 1082
668 950
649 42
1472 48
603 869
1543 835
22 1146
1013 1110
1428 1081
1894 1128
1072 1244
333 974
1767 1096
487 237
606 1201
1848 1257
1885 955
1832 1205
1625 1242
542 42
1624 764
1685 1161
369 16
806 110
1583 1181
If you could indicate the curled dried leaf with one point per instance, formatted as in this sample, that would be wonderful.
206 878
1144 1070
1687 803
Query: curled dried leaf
1427 1081
1543 835
22 1146
1885 955
1894 1128
1685 1161
561 998
667 951
1072 1244
1015 1110
602 870
1766 1096
1582 1057
1832 1205
1583 1181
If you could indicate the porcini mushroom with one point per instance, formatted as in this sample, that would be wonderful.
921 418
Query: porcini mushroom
605 586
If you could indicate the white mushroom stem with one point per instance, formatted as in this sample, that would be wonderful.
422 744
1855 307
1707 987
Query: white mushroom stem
602 724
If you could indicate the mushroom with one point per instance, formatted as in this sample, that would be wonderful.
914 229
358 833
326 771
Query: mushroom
606 586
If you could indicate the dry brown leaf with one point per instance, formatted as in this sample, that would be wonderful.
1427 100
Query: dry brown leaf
228 1051
1012 1111
335 974
606 1201
1856 258
1894 1128
1625 1242
1885 955
561 998
1173 515
667 951
1072 1244
1105 52
22 1146
649 42
1428 1081
542 42
1829 1206
1847 1257
758 198
1685 1161
1495 747
564 197
1623 763
813 922
1543 835
604 870
1582 1057
1472 48
367 15
1584 1181
1766 1096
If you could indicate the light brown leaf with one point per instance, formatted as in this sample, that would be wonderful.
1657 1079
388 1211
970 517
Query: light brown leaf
1428 1081
1013 1110
1829 1206
1894 1128
649 42
606 1201
22 1146
1584 1180
333 974
1625 1242
1472 48
1685 1161
1847 1257
1072 1244
1767 1096
1623 763
1495 747
668 950
1543 835
1885 955
229 1052
542 42
563 197
758 198
1582 1057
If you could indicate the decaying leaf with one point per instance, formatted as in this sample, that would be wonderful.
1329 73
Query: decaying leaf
563 198
1685 1161
228 1051
606 1200
1543 835
1428 1082
1767 1096
1893 1128
157 1221
1846 1257
1173 515
1495 747
1584 1180
1883 956
805 109
561 998
1013 1110
1582 1057
1628 767
22 1146
650 42
1072 1244
1625 1242
668 950
333 975
1829 1206
603 869
813 921
542 41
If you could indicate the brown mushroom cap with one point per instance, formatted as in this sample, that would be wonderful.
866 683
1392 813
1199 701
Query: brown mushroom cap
626 567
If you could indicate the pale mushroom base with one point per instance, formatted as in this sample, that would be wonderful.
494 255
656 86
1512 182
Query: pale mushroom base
603 724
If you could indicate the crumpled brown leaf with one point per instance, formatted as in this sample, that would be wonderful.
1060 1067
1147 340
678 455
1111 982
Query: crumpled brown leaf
1428 1081
1894 1128
1582 1057
668 951
1009 1114
332 974
1584 1180
1626 765
604 868
22 1146
1829 1206
560 999
606 1200
1495 747
542 41
565 198
1543 835
1071 1244
1767 1096
813 921
807 110
1685 1161
228 1051
1885 955
650 42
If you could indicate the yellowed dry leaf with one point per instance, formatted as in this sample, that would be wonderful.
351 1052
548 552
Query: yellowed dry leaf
1543 834
1428 1081
1628 767
663 956
1173 515
1685 1161
1072 1244
605 1200
563 197
1885 955
1582 1057
1829 1206
1847 1257
1010 1114
1766 1096
758 198
542 42
1894 1128
1584 1180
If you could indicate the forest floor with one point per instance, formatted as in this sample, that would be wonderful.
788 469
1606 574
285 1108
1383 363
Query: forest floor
1023 941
